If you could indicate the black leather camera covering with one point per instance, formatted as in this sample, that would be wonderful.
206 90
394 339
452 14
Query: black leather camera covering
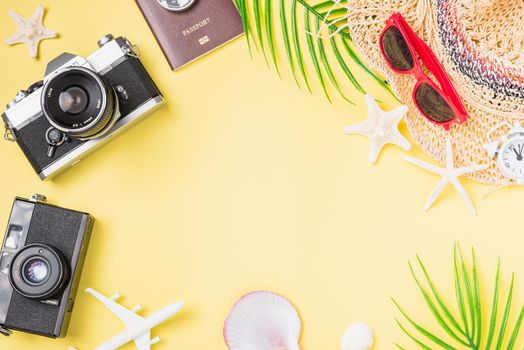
129 74
66 231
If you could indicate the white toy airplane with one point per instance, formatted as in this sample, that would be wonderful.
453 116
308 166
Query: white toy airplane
138 328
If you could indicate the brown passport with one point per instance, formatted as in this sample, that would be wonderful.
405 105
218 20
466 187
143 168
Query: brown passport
187 35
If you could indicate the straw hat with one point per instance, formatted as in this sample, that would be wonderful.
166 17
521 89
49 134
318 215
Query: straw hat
481 46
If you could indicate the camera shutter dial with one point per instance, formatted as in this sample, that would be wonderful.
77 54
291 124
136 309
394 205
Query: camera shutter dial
54 138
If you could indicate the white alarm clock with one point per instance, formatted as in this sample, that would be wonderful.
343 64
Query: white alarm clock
176 5
509 152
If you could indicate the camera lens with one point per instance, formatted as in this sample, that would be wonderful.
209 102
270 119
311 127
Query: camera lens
80 103
74 100
38 271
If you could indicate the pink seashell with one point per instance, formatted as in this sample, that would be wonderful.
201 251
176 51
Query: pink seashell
262 321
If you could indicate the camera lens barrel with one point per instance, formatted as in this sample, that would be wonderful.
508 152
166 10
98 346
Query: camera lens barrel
38 271
79 102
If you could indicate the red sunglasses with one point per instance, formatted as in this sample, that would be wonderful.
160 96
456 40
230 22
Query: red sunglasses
400 45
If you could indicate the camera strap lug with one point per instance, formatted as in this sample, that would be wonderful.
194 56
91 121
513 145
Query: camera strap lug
5 332
8 134
131 50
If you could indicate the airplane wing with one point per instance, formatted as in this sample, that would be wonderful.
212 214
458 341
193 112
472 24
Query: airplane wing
143 342
128 317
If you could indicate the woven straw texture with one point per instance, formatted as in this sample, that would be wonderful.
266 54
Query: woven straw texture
481 46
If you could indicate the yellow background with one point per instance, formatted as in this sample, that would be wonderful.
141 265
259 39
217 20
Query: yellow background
244 182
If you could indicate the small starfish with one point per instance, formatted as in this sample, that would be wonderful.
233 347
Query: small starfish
449 174
380 127
30 31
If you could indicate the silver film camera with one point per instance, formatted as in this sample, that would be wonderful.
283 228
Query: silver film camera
80 105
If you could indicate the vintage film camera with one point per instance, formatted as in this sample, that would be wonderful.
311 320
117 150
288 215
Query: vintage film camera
80 105
41 261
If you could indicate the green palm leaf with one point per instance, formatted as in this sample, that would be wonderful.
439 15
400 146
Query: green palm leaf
331 55
494 309
258 23
268 13
464 328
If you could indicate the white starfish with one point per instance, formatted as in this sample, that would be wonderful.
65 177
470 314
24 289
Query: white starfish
30 31
380 127
449 174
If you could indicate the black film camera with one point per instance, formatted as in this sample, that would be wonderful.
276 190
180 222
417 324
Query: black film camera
41 261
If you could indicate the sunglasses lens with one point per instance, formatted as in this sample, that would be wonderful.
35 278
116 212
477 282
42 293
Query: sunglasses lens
396 50
433 104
